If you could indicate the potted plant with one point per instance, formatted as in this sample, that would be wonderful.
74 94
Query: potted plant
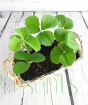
40 48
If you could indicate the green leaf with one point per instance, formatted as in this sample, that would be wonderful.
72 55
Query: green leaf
48 21
22 56
34 43
63 55
29 48
60 35
15 43
37 57
46 38
67 37
68 24
61 20
22 32
21 67
32 24
64 22
71 42
73 45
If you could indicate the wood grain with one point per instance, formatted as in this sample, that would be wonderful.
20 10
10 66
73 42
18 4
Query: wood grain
10 94
51 89
78 71
4 17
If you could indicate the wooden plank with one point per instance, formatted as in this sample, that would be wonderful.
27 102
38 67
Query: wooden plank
37 95
35 91
85 42
47 91
4 17
34 94
78 71
9 30
56 82
10 93
12 98
47 86
85 15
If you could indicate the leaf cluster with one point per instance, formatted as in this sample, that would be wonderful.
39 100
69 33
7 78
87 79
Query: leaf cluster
27 41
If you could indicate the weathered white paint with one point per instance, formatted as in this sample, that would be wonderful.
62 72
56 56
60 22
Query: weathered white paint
78 71
85 15
4 16
9 92
51 89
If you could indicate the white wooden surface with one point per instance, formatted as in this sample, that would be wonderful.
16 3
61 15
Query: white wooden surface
52 89
78 71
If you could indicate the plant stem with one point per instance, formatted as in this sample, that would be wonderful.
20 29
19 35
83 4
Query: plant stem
61 46
26 48
29 62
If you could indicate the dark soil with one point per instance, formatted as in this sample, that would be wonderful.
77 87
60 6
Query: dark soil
38 69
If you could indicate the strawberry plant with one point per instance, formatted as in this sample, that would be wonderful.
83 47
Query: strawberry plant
27 43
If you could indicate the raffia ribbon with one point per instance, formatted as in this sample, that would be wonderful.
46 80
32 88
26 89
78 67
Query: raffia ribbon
10 74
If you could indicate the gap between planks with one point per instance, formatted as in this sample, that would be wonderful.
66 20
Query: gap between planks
12 95
78 71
